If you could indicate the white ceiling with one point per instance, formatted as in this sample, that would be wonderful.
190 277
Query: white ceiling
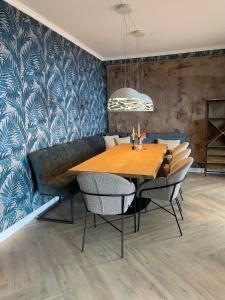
171 26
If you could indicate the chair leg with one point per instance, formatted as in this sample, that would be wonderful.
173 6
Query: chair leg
71 209
180 209
174 213
94 220
139 214
122 236
122 227
181 196
135 211
84 232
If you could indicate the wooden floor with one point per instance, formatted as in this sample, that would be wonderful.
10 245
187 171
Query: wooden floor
43 260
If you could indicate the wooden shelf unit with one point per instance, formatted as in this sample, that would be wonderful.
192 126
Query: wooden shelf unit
215 145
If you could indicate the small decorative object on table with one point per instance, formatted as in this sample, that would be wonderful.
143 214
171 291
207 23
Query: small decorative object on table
140 140
140 137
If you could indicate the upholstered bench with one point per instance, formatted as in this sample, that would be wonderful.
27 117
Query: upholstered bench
51 165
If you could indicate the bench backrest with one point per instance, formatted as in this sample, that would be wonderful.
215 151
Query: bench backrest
52 161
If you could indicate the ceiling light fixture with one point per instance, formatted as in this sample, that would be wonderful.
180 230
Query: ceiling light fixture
126 98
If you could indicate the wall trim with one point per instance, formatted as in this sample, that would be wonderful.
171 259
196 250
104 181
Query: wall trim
28 11
20 224
165 53
196 170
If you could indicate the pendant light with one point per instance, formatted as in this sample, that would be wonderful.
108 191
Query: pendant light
121 98
126 98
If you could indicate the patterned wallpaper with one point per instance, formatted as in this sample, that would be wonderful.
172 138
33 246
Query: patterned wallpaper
51 91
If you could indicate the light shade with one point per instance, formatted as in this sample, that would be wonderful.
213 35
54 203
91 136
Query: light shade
128 99
125 93
148 102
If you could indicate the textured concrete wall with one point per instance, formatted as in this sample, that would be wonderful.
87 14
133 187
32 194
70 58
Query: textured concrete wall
179 89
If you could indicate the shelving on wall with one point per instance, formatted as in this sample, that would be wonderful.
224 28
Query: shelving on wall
215 145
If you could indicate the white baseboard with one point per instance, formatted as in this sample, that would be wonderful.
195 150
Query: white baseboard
15 227
196 170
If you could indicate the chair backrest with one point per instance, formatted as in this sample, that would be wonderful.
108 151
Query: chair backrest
180 155
178 172
180 148
104 183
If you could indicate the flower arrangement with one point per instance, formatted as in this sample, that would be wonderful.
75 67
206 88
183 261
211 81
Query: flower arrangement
142 136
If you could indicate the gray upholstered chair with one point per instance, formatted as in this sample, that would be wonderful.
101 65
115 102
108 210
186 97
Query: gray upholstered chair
106 194
166 188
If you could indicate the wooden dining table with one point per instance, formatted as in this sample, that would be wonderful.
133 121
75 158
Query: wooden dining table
122 160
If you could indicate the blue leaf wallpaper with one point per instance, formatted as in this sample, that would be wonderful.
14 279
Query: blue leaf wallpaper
51 91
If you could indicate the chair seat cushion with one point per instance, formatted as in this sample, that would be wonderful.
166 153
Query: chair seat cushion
62 185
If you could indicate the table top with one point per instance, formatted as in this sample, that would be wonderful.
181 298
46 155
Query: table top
124 161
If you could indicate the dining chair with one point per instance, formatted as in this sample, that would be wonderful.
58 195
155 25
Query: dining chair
180 147
166 188
180 155
106 194
164 169
169 157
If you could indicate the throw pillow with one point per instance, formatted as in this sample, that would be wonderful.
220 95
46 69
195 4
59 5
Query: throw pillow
170 143
110 141
125 140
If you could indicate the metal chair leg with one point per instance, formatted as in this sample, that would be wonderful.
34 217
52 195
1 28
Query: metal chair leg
122 228
174 213
135 211
181 196
180 209
84 232
94 220
139 214
71 209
